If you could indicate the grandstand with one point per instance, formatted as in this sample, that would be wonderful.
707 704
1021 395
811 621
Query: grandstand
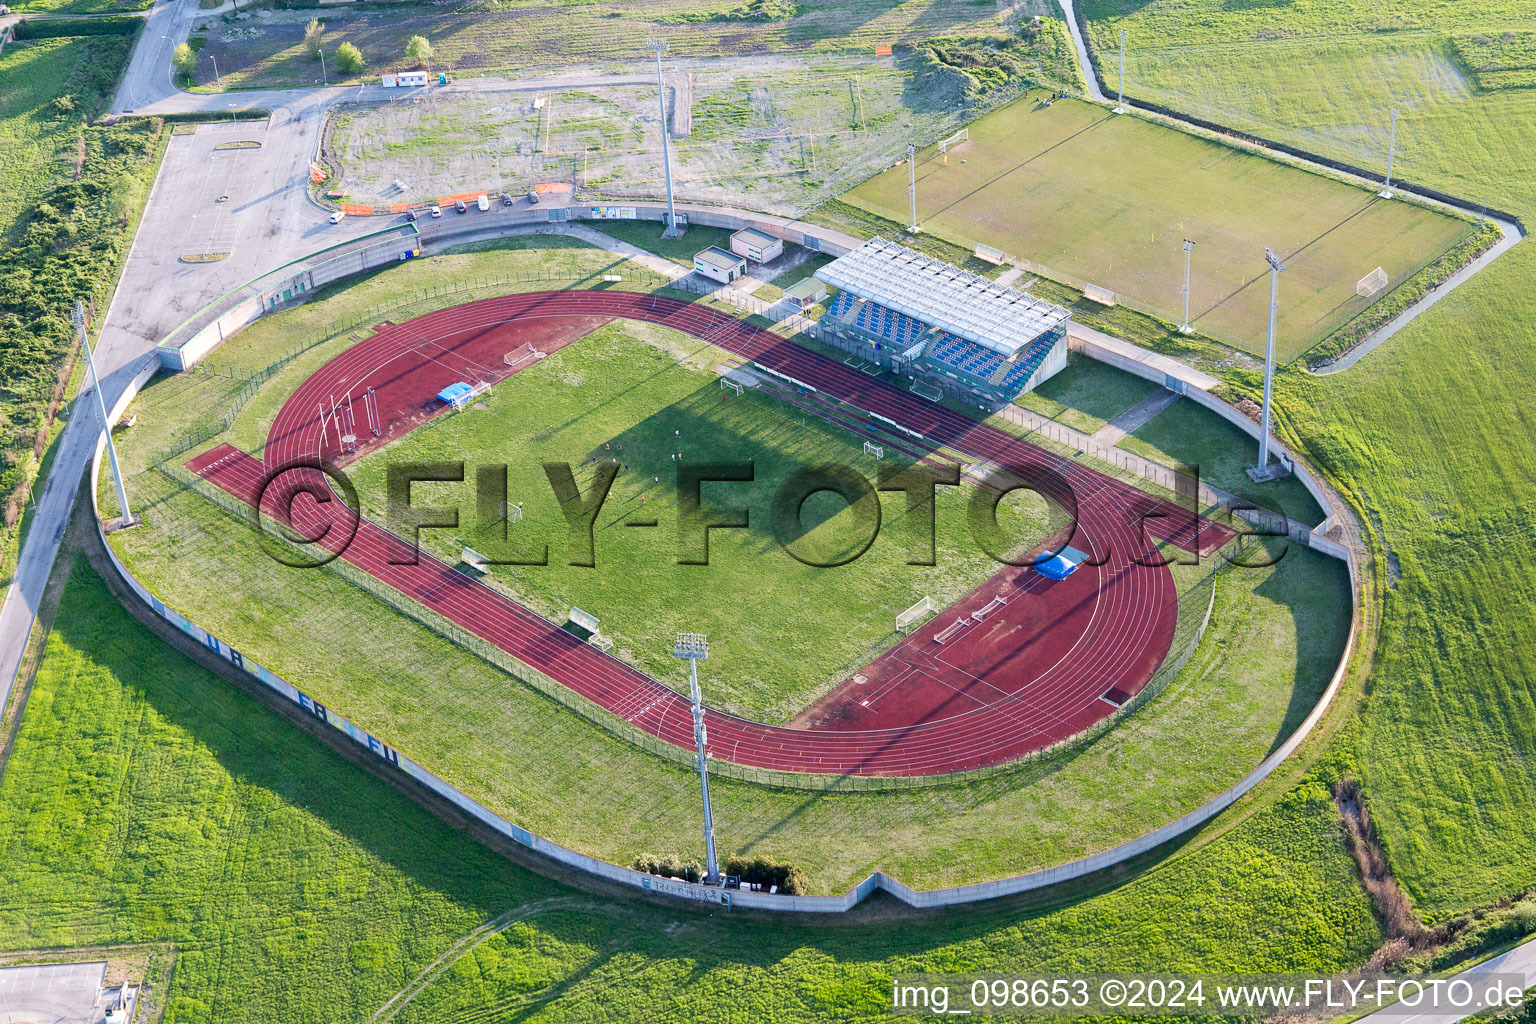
946 327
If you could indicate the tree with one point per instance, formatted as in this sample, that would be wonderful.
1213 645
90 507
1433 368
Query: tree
350 59
184 59
419 50
312 33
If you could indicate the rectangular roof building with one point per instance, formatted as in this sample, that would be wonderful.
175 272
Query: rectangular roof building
935 293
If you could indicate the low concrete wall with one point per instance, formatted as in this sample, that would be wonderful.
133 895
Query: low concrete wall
1041 879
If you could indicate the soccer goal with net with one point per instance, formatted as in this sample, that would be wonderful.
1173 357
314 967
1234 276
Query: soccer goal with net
729 385
1371 283
511 512
945 145
919 611
878 451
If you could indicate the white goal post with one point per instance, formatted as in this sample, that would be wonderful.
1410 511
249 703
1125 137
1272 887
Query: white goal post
1371 283
878 451
512 512
726 384
945 145
918 611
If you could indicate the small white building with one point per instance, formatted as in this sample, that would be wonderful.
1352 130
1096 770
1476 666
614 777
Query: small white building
757 246
807 293
403 79
718 265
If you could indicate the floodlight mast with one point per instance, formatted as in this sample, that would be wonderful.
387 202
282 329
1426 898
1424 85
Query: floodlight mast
694 647
912 224
1189 247
1386 192
1275 267
660 46
101 405
1120 97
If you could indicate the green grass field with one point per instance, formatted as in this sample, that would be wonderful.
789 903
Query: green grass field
1273 643
1055 186
1087 394
634 395
147 801
1424 433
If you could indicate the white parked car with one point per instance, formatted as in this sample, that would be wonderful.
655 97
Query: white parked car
338 216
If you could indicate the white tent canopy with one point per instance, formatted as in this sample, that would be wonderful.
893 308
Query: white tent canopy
946 297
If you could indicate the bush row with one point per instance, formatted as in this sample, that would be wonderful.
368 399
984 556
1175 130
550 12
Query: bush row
48 28
751 870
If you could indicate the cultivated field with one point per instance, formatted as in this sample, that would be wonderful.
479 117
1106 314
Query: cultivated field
1272 645
1423 433
771 133
147 800
635 395
1090 197
263 48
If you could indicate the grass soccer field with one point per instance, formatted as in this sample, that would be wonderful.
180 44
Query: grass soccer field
784 632
1093 197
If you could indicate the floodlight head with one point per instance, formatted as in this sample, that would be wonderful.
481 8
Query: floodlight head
656 43
1122 35
693 646
1189 245
77 317
1273 260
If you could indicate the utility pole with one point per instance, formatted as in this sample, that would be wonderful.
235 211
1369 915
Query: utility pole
912 226
1120 98
1386 193
694 647
101 406
323 76
1189 247
217 80
660 46
1261 472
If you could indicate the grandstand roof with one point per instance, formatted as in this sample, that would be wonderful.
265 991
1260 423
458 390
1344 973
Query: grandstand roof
947 297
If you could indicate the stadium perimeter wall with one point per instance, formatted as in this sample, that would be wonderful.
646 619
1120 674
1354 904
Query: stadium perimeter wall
278 687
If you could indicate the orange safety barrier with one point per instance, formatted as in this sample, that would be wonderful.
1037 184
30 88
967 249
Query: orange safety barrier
468 197
545 188
882 51
357 210
399 207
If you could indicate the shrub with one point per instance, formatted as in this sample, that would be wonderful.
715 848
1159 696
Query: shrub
419 50
349 59
313 32
184 58
765 872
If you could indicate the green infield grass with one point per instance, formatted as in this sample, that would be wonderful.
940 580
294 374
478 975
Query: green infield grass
634 396
1091 197
1275 638
147 801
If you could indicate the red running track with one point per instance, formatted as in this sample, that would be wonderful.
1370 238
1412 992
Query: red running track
954 716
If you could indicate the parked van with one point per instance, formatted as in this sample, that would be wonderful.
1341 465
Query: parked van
338 216
484 202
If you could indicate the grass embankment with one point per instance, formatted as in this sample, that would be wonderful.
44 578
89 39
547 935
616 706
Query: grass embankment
968 43
149 801
1428 434
70 191
1273 643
